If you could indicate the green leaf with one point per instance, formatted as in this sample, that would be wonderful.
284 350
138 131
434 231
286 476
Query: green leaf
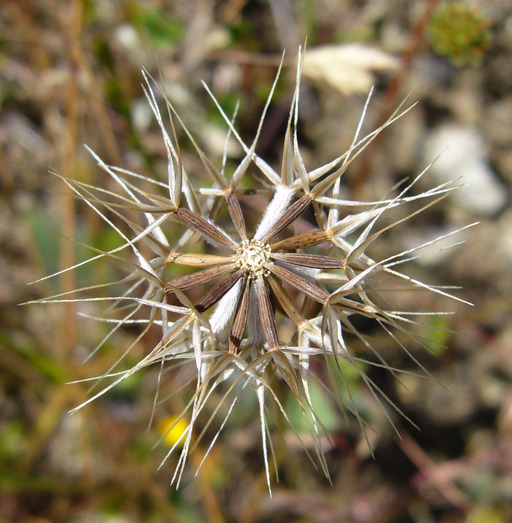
439 335
322 406
162 29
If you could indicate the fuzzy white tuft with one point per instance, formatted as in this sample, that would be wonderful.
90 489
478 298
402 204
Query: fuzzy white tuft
275 209
225 309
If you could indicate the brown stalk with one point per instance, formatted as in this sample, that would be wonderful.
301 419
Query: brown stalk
304 286
238 327
235 211
267 317
204 227
316 261
289 308
197 278
196 260
307 239
416 42
290 215
69 154
434 473
216 293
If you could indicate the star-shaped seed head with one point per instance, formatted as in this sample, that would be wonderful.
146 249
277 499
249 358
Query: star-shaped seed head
224 319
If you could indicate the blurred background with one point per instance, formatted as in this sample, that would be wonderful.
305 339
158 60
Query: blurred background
70 74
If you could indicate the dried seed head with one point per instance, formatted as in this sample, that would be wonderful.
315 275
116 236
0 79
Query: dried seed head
359 286
251 256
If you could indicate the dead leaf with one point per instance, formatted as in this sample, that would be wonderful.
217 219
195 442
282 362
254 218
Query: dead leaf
347 68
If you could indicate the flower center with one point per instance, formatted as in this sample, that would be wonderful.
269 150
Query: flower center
251 255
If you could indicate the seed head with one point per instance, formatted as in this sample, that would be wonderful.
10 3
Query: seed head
251 256
225 317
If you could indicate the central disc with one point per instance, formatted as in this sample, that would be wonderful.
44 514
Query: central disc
251 255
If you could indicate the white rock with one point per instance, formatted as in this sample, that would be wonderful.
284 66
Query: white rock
128 39
462 152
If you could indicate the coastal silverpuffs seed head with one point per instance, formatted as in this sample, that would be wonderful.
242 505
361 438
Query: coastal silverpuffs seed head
247 305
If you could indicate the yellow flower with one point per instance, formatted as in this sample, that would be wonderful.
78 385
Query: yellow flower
173 429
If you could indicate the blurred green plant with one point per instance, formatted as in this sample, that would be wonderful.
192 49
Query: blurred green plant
161 29
459 33
439 334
